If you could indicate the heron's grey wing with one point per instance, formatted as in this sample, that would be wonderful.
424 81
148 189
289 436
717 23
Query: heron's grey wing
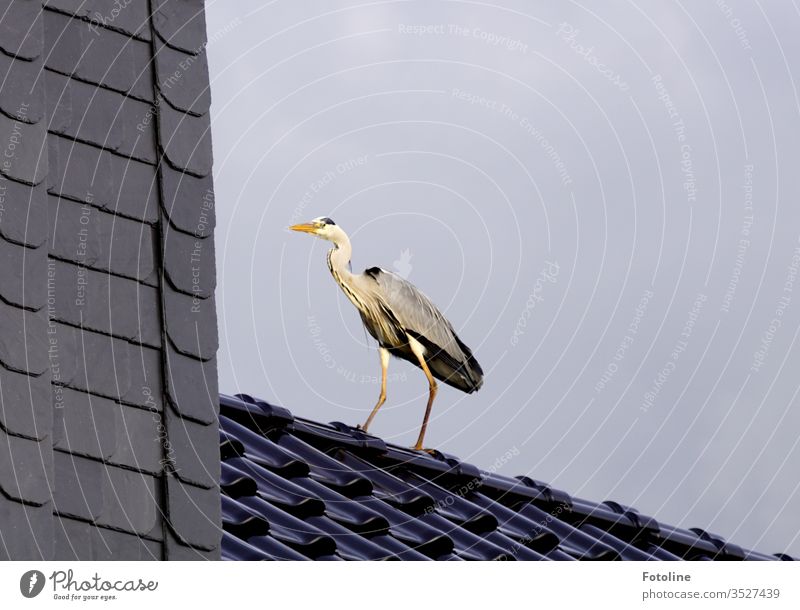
417 314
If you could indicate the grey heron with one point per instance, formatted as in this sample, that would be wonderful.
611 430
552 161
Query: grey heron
403 321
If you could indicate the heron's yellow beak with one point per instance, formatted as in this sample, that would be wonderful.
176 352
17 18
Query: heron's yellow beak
304 228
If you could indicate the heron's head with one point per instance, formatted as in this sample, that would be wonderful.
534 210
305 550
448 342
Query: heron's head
322 227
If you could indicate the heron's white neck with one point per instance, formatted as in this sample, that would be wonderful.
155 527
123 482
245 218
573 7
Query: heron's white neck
339 257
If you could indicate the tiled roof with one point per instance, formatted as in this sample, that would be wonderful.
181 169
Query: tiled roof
294 489
108 381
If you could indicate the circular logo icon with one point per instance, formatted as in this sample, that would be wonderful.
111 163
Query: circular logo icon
31 583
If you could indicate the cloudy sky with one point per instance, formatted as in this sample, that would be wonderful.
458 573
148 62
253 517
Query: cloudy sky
602 199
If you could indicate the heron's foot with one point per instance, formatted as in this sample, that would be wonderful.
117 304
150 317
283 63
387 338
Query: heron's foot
428 450
362 428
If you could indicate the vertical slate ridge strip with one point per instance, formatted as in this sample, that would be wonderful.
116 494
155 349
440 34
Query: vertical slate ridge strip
190 483
26 454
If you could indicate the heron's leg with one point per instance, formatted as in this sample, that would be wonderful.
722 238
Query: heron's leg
384 353
417 348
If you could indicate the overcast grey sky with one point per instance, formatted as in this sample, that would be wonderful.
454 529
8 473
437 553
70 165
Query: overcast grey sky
602 198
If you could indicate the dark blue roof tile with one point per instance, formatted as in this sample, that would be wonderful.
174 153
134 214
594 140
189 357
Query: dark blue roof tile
381 501
325 469
301 535
282 493
262 451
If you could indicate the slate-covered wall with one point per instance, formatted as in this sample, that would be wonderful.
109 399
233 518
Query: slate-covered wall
108 383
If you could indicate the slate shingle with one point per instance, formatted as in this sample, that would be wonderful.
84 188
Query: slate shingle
22 91
189 263
188 201
100 428
106 495
23 213
23 342
27 532
21 28
146 389
181 23
25 408
88 174
25 270
24 156
131 19
192 386
185 139
106 303
194 514
191 324
80 541
87 236
99 116
98 55
103 364
183 79
194 450
26 469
